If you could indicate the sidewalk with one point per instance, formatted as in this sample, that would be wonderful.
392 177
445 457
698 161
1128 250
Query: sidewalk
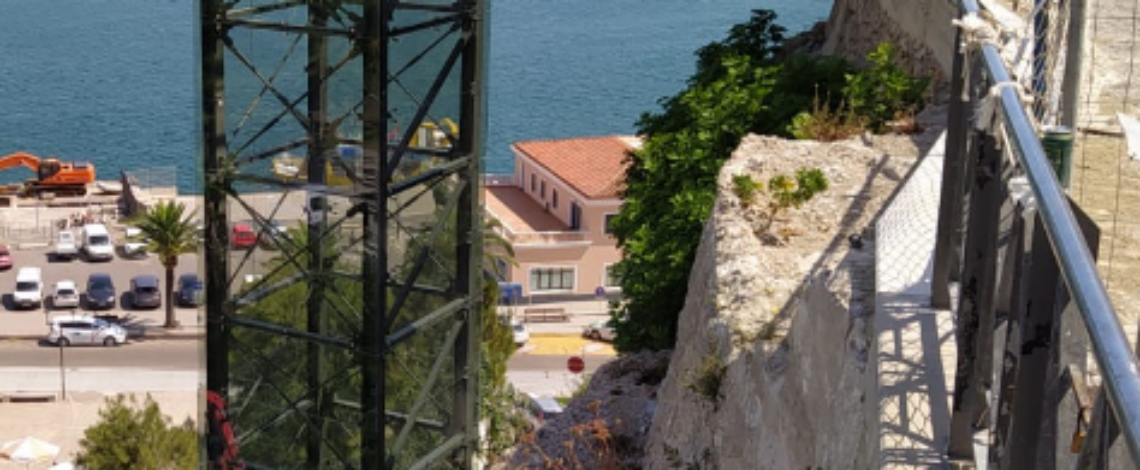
579 312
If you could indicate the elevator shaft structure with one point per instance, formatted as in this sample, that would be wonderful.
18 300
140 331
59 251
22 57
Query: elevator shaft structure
348 136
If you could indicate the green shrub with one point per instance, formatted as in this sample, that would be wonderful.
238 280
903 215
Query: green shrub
884 91
132 436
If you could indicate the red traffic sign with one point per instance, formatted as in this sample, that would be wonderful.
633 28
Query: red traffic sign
576 364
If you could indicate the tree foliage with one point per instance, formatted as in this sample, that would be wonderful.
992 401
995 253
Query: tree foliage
128 436
742 85
170 232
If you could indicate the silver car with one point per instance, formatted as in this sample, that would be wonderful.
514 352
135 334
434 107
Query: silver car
80 330
66 295
599 330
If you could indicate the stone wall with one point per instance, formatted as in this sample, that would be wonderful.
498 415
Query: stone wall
921 30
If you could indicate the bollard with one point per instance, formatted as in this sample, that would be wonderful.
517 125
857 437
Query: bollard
1057 141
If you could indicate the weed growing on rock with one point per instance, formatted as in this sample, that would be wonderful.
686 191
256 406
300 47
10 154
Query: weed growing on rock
592 445
707 378
745 188
825 124
786 193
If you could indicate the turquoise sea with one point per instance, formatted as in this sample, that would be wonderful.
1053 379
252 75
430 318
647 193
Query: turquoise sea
114 81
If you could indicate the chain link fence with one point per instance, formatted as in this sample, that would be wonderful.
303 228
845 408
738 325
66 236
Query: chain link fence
1103 177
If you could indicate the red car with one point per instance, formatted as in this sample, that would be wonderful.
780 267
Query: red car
5 258
242 236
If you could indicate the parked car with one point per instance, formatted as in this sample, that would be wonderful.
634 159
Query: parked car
599 330
29 291
5 258
95 243
540 409
274 232
144 292
521 334
134 244
100 291
65 246
82 330
189 290
242 236
65 295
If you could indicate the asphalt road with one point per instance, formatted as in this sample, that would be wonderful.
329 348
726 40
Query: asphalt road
151 355
133 367
547 375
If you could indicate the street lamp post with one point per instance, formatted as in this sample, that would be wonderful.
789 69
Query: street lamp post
62 372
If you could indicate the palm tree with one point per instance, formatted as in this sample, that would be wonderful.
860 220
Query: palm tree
169 233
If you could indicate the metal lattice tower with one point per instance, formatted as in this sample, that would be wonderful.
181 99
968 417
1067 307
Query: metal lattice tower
349 336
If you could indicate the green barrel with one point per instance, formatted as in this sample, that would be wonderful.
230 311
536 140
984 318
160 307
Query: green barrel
1058 144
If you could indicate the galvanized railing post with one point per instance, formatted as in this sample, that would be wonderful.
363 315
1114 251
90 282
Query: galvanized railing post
950 201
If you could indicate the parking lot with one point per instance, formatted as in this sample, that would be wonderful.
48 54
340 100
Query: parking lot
26 323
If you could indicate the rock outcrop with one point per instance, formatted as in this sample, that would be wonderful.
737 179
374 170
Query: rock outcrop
771 368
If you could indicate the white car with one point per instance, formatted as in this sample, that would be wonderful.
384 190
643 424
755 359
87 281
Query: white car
85 330
521 334
599 330
65 295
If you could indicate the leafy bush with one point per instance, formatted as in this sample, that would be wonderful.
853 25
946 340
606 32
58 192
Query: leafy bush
884 91
671 180
129 436
743 84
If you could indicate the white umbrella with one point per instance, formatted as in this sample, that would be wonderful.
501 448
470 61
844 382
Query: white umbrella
28 449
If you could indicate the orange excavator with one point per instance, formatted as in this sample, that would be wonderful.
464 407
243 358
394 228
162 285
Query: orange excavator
52 175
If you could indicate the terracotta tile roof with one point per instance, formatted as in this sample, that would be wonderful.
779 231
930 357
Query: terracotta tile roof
594 166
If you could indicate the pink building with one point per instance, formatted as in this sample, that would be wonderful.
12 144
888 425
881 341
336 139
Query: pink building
555 210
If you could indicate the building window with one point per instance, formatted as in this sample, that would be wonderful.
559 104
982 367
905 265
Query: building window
532 182
612 277
551 279
542 190
554 197
609 223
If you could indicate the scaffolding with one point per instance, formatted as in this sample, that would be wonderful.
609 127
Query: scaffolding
349 338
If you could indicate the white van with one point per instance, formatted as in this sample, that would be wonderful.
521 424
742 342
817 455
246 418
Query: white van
29 291
95 242
65 248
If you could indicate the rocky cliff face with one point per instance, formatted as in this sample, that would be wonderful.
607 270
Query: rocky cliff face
772 366
922 31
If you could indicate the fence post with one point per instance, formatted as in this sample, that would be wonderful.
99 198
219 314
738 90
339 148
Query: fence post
1051 400
950 201
1013 281
974 333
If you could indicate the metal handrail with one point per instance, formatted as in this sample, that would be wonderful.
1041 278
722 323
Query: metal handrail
1110 345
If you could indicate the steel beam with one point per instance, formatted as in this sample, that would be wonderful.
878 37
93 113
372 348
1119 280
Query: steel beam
975 331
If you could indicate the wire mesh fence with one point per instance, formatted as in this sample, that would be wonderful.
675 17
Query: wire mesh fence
1104 178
